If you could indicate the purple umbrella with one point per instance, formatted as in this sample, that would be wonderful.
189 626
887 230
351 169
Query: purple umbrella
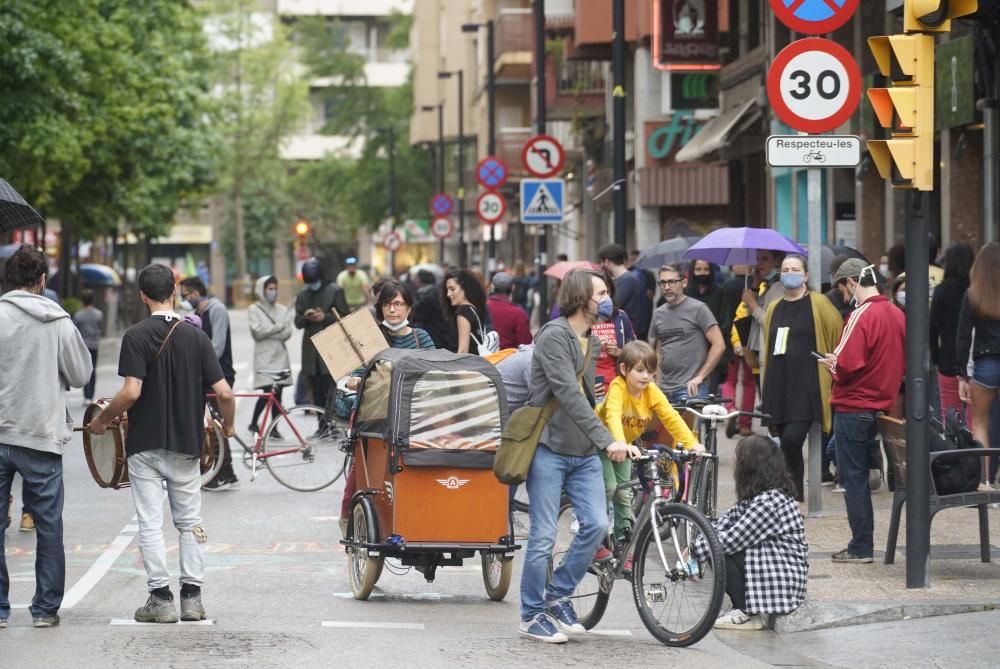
739 246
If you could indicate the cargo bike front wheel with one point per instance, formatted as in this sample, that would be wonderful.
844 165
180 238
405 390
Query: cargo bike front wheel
362 569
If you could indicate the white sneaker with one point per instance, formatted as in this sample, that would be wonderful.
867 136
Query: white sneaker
838 488
735 619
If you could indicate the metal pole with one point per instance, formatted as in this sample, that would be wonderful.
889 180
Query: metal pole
814 198
918 524
392 194
543 238
461 168
989 107
491 142
618 113
440 166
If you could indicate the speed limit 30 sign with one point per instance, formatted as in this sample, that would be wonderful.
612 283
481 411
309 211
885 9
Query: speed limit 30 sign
491 207
814 85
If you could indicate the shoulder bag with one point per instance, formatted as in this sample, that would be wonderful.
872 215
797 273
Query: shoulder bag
521 435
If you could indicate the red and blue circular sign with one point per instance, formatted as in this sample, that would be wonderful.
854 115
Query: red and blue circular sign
442 204
491 173
814 17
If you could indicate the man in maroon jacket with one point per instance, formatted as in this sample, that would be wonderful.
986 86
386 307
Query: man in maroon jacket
868 367
509 320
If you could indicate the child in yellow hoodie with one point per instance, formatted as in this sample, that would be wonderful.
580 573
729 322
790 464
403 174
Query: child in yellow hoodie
632 401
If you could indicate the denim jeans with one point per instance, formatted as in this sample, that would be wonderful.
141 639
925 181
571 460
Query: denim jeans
43 494
147 471
678 396
583 480
855 432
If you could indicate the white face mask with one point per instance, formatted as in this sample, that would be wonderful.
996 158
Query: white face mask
186 306
271 295
901 298
396 327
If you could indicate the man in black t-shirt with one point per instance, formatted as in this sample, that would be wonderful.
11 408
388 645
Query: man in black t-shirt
168 365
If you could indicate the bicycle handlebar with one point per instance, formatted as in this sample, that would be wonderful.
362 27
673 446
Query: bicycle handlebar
718 413
680 455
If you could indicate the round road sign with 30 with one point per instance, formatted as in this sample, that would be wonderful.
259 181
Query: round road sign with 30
491 207
814 85
441 227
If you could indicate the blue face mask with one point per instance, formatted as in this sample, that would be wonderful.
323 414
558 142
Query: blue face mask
605 308
315 285
793 281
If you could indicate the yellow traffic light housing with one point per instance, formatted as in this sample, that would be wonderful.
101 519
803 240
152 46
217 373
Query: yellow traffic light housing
906 110
935 15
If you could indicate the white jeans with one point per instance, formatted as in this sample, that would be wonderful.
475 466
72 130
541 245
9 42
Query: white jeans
147 471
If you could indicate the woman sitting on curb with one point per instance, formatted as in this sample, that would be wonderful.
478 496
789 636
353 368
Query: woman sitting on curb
763 538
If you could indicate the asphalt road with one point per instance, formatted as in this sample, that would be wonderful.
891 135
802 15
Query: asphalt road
277 595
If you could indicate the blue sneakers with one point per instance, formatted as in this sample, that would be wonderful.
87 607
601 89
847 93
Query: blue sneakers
565 617
542 628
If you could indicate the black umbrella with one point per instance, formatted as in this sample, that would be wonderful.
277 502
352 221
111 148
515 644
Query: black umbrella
14 211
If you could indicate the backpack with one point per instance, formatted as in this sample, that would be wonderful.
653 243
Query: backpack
954 475
490 340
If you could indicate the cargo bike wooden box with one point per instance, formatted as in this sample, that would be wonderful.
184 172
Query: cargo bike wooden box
424 434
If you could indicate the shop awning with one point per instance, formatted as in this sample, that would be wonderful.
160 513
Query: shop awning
719 131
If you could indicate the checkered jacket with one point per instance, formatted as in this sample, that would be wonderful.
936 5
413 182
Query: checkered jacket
769 528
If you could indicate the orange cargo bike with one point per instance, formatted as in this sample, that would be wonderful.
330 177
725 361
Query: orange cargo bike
424 434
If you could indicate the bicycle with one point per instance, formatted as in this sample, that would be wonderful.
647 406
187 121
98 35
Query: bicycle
300 446
705 489
663 573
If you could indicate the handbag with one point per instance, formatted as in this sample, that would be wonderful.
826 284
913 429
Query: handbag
490 342
520 436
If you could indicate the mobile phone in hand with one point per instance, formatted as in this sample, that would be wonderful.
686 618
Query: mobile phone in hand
818 356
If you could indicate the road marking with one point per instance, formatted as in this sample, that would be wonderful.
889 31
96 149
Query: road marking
130 621
411 595
384 626
325 518
609 632
101 566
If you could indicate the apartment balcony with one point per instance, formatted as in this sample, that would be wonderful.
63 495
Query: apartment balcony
317 147
575 87
560 14
514 31
510 141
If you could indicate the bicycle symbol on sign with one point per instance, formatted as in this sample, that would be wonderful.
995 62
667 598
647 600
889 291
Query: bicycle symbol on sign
814 156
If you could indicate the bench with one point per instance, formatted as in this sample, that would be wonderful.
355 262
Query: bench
894 441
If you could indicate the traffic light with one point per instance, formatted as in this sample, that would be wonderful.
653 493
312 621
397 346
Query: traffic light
906 110
934 15
302 229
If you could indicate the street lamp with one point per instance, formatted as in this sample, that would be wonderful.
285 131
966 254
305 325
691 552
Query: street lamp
391 141
490 110
440 166
447 74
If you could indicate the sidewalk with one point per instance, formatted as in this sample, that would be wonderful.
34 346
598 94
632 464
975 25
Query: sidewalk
854 594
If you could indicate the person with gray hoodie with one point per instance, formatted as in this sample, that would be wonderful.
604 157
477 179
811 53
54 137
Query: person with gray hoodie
41 351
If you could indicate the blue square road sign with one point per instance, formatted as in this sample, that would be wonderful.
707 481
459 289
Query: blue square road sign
542 200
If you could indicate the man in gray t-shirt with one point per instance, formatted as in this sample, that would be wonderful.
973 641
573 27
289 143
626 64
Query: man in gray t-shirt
686 336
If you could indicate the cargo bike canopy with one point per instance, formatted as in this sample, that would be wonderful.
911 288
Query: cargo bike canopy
437 408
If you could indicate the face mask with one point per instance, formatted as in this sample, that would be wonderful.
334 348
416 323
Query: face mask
397 327
187 306
605 308
702 279
314 286
883 269
271 296
901 298
770 275
793 281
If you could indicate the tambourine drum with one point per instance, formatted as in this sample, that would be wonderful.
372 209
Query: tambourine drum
105 453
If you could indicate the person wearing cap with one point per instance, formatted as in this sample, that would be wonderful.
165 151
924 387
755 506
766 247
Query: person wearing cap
313 313
867 367
509 320
355 285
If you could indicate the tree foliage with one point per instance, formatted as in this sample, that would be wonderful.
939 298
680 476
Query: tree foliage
105 112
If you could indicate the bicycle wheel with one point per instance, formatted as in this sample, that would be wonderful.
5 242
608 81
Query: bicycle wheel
521 498
363 571
308 456
705 488
678 601
497 569
211 453
590 599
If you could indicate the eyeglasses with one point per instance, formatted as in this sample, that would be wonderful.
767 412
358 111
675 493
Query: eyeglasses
396 306
669 282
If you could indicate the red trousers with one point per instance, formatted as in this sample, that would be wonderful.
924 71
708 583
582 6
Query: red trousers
740 386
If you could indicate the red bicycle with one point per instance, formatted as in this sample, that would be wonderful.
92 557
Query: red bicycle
300 446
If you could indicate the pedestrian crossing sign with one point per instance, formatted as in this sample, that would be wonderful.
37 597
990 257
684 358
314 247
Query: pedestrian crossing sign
542 200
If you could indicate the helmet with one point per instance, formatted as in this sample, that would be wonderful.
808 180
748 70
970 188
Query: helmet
312 271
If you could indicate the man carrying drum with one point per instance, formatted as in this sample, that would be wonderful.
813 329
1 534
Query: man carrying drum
167 365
